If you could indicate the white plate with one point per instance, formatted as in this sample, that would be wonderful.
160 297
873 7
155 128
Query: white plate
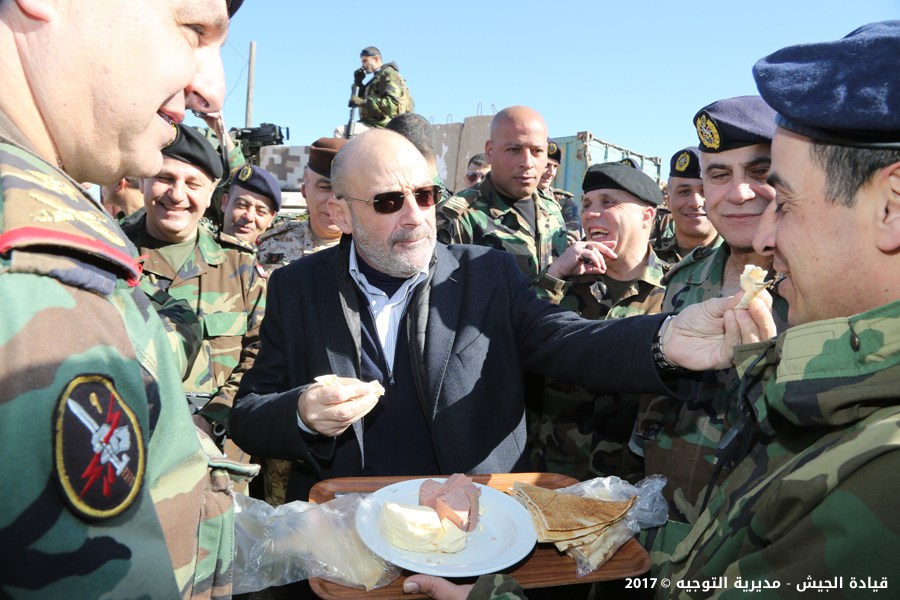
504 534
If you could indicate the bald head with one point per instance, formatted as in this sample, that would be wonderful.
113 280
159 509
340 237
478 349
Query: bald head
371 155
517 151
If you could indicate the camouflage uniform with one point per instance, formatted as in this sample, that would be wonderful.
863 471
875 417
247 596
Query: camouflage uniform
224 287
289 241
385 96
682 437
571 213
582 434
112 485
480 215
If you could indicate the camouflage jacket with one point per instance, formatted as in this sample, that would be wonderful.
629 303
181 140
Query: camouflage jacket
817 496
223 286
571 213
480 215
112 485
684 438
579 433
385 96
287 242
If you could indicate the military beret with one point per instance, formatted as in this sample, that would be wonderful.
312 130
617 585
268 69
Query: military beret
618 176
632 162
322 152
370 51
844 92
685 163
554 152
259 181
233 6
734 123
192 147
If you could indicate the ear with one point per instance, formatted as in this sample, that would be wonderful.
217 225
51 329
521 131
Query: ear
887 187
39 10
649 217
488 146
340 214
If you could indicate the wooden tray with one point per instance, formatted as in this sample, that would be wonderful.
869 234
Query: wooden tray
544 567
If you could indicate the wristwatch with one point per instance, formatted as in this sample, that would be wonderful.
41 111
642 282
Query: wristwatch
656 349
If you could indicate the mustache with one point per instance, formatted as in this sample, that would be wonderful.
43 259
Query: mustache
411 235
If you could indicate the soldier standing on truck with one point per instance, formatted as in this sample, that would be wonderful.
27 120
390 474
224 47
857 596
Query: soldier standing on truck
385 95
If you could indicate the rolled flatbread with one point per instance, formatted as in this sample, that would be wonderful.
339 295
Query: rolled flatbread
753 281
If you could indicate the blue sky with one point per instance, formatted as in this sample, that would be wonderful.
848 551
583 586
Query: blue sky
631 73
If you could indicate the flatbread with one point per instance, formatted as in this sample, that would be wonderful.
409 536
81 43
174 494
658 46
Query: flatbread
559 517
753 282
375 386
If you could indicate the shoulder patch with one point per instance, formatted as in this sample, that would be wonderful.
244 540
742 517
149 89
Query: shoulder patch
454 207
98 451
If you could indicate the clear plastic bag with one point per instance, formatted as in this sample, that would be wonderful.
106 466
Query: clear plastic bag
299 540
649 510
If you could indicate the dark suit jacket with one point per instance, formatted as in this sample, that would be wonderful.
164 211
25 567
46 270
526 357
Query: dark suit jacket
473 327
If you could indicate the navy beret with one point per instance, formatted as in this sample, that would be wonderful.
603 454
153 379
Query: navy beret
619 176
685 163
192 147
554 152
734 123
233 6
322 152
259 181
844 92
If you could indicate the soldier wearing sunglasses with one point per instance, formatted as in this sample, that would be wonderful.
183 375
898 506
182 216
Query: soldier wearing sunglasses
446 330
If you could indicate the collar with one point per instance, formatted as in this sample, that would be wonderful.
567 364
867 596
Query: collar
369 289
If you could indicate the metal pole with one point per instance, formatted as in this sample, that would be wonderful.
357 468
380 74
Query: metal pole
251 71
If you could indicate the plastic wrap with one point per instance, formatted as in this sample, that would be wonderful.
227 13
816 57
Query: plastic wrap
650 509
299 540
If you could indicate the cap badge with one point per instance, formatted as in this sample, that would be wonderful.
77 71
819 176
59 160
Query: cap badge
552 148
245 173
681 164
707 132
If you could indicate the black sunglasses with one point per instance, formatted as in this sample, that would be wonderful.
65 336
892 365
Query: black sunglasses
386 203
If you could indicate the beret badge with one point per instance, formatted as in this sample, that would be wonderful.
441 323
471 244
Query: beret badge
245 173
552 148
707 132
682 162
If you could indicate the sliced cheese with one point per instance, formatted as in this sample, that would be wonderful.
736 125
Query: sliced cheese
418 528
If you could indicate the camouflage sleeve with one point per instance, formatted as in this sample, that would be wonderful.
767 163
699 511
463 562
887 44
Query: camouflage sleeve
384 102
447 220
219 408
496 587
549 287
182 325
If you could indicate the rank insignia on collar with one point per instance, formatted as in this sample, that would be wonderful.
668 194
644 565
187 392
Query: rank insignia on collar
682 162
99 451
707 132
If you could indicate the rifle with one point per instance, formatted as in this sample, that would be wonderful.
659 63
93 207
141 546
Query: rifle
355 90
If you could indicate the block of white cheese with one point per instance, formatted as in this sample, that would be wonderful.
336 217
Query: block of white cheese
418 528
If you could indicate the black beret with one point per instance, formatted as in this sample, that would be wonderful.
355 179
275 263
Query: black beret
258 180
233 6
843 92
619 176
685 163
322 152
734 123
554 151
370 51
192 147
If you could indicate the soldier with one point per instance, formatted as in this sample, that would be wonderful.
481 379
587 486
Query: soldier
477 169
506 211
581 433
814 503
218 277
687 226
385 95
566 200
685 437
296 238
107 489
122 198
253 200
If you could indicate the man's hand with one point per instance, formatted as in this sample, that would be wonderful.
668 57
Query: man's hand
359 75
703 336
582 258
435 587
331 409
355 101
